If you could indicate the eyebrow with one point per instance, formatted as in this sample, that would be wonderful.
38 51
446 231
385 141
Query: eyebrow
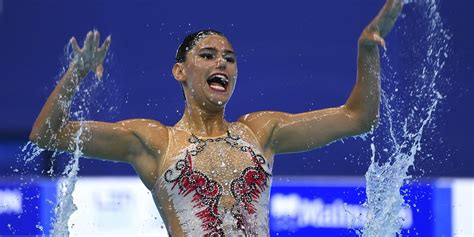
215 50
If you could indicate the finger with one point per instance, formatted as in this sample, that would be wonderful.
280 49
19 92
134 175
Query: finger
95 43
398 4
379 40
382 43
99 71
88 41
74 44
391 10
394 4
105 46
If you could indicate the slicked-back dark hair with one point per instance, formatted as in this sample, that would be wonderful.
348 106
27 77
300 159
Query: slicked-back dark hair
191 40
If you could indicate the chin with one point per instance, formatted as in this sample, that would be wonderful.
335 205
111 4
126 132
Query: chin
214 104
219 99
219 102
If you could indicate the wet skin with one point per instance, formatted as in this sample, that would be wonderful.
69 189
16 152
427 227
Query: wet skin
143 143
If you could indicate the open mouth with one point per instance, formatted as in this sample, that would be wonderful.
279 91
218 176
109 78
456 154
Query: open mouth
218 82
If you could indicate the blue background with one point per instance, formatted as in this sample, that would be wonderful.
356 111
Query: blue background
38 200
292 57
429 204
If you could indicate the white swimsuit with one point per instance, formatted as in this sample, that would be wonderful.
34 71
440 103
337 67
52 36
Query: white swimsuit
197 198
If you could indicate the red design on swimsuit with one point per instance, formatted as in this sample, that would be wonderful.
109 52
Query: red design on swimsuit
207 193
248 187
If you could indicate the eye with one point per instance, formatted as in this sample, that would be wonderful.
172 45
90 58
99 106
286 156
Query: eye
230 59
206 55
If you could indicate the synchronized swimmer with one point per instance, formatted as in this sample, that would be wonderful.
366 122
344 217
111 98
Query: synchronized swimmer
208 176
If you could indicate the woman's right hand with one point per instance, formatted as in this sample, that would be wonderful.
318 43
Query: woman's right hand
91 56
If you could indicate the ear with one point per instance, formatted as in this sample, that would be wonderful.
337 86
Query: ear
178 72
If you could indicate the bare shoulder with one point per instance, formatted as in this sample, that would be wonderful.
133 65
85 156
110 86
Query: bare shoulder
151 132
262 124
257 119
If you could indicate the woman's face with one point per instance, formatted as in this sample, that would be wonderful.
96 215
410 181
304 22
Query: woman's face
210 72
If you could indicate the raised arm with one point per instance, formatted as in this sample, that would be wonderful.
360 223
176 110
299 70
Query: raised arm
283 132
127 141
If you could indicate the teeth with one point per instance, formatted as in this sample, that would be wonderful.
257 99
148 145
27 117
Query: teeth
222 78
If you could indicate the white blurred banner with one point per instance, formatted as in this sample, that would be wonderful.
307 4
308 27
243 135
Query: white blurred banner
114 206
123 206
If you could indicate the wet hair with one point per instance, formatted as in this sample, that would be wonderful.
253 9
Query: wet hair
191 40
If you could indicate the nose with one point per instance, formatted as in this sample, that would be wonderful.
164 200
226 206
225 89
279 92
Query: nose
221 62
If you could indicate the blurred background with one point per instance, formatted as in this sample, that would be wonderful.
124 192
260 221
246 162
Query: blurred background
292 57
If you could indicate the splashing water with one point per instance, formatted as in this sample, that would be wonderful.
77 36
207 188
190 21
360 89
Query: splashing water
84 104
65 203
66 207
406 113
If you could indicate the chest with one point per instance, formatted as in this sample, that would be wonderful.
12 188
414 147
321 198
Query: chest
221 162
221 182
229 162
220 158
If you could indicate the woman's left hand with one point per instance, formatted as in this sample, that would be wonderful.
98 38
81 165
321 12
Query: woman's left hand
382 24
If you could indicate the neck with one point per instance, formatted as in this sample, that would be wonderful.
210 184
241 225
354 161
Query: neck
203 123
